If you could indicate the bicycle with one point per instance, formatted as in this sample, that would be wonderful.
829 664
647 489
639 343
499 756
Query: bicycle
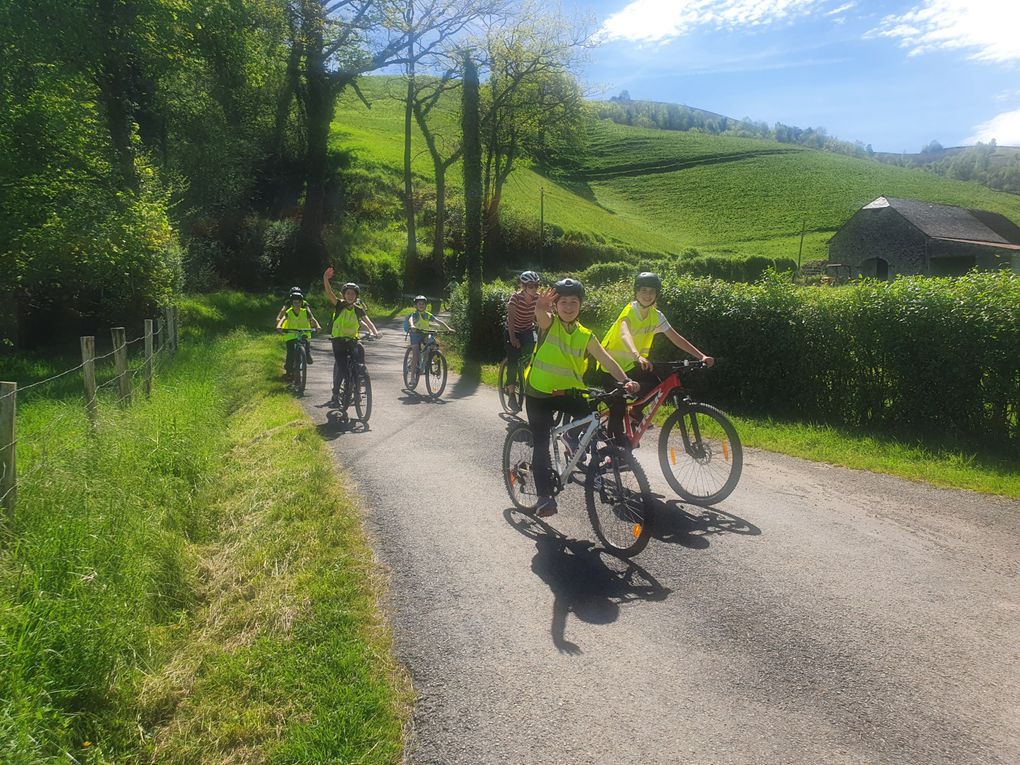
431 363
298 375
615 487
700 453
512 403
352 380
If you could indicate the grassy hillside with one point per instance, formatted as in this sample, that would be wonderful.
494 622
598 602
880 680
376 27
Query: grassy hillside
666 191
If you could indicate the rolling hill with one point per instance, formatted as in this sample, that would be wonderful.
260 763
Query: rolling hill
665 191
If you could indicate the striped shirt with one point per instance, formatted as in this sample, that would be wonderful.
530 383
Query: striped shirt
523 305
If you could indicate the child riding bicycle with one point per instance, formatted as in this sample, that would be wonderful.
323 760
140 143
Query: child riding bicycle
519 334
629 341
348 318
296 316
554 378
418 324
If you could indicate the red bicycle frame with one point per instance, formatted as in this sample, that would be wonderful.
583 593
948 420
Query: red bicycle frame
651 401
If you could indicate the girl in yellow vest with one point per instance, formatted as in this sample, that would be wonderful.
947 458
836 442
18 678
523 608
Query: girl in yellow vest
348 318
295 316
417 324
554 378
629 341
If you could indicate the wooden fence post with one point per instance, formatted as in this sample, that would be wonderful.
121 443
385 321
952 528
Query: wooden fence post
148 358
164 338
8 462
88 374
120 365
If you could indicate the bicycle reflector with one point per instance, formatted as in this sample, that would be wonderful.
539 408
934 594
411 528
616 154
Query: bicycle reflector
726 450
636 531
672 455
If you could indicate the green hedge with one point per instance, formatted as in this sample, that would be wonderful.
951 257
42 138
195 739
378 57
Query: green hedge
917 356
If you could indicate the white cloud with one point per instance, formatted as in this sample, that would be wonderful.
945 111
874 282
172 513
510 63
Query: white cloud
842 9
985 28
652 21
1005 129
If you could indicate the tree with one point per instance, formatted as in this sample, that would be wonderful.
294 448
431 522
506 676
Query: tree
471 129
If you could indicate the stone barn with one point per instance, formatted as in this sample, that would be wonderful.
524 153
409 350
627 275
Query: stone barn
904 236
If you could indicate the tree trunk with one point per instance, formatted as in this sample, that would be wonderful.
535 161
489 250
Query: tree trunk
472 199
320 100
112 79
411 268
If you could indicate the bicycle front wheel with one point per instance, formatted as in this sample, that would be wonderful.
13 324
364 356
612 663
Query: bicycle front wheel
300 371
616 492
504 400
700 454
363 395
518 472
435 374
410 371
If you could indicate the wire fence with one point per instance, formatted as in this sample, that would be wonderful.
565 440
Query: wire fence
128 371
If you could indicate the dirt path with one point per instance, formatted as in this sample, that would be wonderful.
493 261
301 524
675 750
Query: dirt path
818 615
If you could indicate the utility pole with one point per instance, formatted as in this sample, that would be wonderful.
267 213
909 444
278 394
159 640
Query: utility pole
800 252
541 227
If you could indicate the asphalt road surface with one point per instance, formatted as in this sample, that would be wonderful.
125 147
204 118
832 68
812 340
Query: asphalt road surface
818 615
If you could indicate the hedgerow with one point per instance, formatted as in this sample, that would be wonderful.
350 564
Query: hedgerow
918 356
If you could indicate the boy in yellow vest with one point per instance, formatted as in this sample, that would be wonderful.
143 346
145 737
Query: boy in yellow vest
348 318
629 341
417 324
554 378
292 317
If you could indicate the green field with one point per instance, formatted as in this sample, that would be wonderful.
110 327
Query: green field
656 190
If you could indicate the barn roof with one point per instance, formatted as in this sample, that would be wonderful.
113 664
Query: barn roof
953 223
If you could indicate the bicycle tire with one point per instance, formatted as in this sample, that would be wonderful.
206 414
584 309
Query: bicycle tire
702 468
511 403
363 394
435 374
518 477
300 370
410 375
616 493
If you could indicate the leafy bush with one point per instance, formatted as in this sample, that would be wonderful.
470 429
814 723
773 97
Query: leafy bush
607 273
917 356
489 322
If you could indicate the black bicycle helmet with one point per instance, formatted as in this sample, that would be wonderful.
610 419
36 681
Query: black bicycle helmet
529 277
296 293
569 286
421 299
648 279
350 286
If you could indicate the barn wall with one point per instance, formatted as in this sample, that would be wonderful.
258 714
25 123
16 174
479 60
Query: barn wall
879 233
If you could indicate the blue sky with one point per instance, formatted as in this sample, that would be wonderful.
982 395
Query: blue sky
893 74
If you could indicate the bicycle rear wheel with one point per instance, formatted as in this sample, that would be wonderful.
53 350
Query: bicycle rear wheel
435 374
363 394
410 373
616 492
700 454
518 474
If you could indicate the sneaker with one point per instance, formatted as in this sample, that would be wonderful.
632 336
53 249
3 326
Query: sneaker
546 507
308 358
334 401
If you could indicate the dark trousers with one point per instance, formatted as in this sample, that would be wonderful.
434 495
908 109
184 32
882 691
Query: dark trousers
540 418
292 346
345 348
618 409
516 356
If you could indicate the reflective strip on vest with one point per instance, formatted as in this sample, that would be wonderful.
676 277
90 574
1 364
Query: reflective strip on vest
642 331
345 323
559 361
296 320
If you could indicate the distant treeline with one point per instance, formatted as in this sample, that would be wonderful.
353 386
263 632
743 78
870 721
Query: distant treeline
985 163
653 114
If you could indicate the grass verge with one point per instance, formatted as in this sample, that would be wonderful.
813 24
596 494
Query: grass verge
190 583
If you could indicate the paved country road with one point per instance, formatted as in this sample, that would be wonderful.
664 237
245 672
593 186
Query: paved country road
818 615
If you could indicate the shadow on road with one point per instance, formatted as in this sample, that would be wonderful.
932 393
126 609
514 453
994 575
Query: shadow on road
586 581
413 397
338 424
469 380
676 524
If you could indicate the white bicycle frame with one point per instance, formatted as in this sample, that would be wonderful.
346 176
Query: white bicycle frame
592 421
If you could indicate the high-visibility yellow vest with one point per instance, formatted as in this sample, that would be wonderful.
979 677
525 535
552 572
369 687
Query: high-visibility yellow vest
296 319
421 320
641 330
559 361
345 322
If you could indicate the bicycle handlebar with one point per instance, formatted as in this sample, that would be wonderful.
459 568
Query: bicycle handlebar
681 366
313 330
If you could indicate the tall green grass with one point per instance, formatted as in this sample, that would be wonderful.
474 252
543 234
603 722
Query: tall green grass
190 583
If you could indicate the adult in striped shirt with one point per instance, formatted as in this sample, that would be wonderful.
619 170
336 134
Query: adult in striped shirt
519 334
